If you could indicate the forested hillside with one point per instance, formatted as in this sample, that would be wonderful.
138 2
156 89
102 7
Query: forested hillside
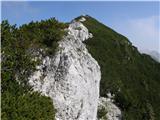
134 78
19 102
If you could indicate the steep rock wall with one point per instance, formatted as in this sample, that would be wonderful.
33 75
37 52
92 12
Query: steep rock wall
71 77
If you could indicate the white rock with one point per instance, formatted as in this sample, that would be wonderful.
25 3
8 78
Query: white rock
78 31
112 111
82 19
109 95
71 77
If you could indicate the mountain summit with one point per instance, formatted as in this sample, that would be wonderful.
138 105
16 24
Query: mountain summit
82 70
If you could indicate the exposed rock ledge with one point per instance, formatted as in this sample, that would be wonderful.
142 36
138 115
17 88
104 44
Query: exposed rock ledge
108 110
71 77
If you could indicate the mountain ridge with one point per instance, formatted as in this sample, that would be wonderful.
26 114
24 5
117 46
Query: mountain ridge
129 86
125 69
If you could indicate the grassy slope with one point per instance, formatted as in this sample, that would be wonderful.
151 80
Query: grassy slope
123 67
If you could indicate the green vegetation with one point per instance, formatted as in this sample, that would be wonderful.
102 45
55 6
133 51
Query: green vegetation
134 78
101 114
78 28
26 106
19 102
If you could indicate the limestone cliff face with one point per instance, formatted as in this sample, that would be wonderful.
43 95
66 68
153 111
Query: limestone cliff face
71 77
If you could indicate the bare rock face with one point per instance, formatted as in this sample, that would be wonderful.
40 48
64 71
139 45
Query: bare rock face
71 77
107 110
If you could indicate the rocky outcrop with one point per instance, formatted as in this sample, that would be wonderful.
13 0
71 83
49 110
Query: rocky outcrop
71 77
107 110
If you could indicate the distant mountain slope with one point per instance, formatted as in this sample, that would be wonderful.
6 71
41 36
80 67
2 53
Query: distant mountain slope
155 55
133 78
